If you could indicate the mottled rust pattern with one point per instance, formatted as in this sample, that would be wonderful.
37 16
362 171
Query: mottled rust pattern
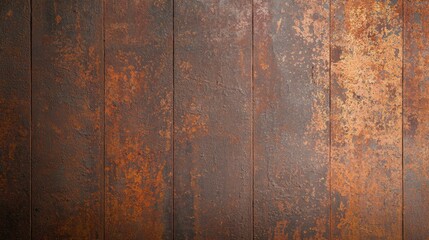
15 80
67 142
416 120
212 164
203 123
366 119
291 92
139 119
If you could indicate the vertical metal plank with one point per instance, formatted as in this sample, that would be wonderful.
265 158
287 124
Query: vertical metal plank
416 120
67 142
15 119
291 94
212 163
366 119
139 119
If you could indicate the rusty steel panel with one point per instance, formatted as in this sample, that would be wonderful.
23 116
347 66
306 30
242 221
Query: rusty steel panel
139 119
67 141
213 113
291 118
416 120
15 119
366 59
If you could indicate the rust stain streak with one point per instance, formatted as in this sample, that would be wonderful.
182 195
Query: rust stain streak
139 103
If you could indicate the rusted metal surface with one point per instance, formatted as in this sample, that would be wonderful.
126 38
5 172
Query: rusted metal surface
291 92
67 140
366 119
139 119
212 112
15 120
214 125
416 120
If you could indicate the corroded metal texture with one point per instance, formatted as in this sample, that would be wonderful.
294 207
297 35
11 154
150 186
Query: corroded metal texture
416 120
291 92
15 98
67 136
366 119
212 112
139 119
214 119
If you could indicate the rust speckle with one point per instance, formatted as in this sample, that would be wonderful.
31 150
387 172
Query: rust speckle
193 124
280 232
58 19
9 14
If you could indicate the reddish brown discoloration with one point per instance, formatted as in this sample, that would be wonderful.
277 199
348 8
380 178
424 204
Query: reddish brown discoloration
212 151
416 120
291 119
67 142
15 120
366 119
214 122
139 101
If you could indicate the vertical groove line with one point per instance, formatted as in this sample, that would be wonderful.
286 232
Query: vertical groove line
173 119
31 118
252 126
402 124
104 117
330 120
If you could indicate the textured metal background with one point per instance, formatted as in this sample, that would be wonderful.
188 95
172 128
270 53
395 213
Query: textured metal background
214 119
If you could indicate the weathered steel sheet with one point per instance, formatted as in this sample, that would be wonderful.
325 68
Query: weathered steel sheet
139 119
291 119
213 114
416 120
366 112
67 136
15 119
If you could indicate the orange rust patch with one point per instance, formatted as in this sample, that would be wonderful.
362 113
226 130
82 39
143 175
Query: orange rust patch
58 19
9 14
366 120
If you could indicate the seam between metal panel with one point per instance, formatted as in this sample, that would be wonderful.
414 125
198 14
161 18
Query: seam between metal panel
402 123
31 118
330 119
173 118
104 118
253 123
